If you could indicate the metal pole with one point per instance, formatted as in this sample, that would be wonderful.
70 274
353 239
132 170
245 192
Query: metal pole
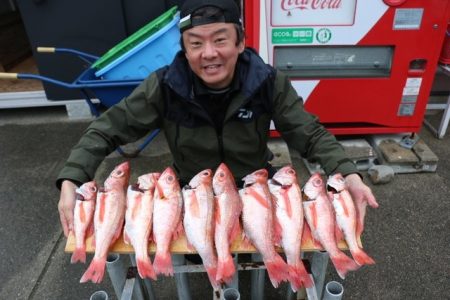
231 294
181 279
235 282
257 280
319 266
333 291
116 271
138 290
99 295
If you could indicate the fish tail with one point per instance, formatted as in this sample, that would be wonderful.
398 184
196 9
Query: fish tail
277 270
299 277
95 271
145 268
79 255
225 270
163 264
343 264
212 275
361 257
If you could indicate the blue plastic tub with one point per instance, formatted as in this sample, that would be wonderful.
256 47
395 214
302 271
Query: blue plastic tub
156 51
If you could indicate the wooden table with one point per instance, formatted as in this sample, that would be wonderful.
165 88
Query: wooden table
180 246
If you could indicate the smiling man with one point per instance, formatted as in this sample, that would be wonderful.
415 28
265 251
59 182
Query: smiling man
214 102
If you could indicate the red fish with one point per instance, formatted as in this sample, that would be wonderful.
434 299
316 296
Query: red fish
167 221
198 199
82 220
138 221
108 219
289 213
346 218
320 217
228 208
258 220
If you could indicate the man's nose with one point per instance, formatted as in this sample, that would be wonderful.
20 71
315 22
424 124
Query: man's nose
209 50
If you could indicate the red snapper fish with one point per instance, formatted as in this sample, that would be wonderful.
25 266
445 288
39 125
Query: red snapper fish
320 217
289 213
228 208
108 219
344 208
138 221
198 197
82 220
258 221
167 221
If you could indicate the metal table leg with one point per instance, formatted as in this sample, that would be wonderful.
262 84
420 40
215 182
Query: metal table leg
319 266
257 279
181 279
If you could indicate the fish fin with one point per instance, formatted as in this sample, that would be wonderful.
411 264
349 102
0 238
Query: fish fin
307 237
343 264
338 234
258 197
212 273
235 231
163 264
277 231
95 271
189 246
246 243
225 270
79 255
145 268
179 230
194 207
361 257
126 238
287 202
299 277
90 230
277 270
118 233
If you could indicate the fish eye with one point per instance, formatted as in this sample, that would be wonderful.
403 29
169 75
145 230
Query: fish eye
317 182
93 189
206 173
119 173
291 171
170 178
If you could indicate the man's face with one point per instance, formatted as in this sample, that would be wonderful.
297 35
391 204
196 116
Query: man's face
212 52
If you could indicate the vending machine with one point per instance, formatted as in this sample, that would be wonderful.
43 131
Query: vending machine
361 66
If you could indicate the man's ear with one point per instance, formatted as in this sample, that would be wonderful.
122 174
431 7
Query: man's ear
241 46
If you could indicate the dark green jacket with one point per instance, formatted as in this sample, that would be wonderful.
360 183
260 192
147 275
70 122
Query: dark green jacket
166 100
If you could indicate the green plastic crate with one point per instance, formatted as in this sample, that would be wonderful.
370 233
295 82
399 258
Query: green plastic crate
136 38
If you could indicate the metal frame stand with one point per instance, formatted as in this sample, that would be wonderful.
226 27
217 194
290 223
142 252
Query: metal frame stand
132 286
440 132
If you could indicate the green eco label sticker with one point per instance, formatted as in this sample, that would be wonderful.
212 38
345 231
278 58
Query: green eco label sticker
292 36
323 35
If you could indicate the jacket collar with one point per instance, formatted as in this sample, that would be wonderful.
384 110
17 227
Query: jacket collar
251 73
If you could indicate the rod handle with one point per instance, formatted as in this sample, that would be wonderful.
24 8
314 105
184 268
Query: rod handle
4 75
46 49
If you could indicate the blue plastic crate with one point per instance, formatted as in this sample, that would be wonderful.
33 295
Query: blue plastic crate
151 54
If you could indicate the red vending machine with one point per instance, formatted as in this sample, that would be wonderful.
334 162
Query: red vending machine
362 66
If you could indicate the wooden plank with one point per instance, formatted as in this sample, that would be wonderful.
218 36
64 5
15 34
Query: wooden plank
180 246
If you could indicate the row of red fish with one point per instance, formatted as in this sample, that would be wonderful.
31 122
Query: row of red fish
208 210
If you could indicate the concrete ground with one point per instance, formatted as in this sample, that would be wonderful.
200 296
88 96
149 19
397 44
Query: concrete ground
408 235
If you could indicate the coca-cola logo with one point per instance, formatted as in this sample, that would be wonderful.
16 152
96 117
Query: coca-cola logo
288 5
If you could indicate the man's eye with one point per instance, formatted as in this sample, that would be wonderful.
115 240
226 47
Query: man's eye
220 40
195 44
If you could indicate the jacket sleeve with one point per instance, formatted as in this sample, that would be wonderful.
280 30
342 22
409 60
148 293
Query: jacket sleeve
303 132
125 122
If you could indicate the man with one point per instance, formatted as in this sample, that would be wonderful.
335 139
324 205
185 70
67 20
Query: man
214 103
